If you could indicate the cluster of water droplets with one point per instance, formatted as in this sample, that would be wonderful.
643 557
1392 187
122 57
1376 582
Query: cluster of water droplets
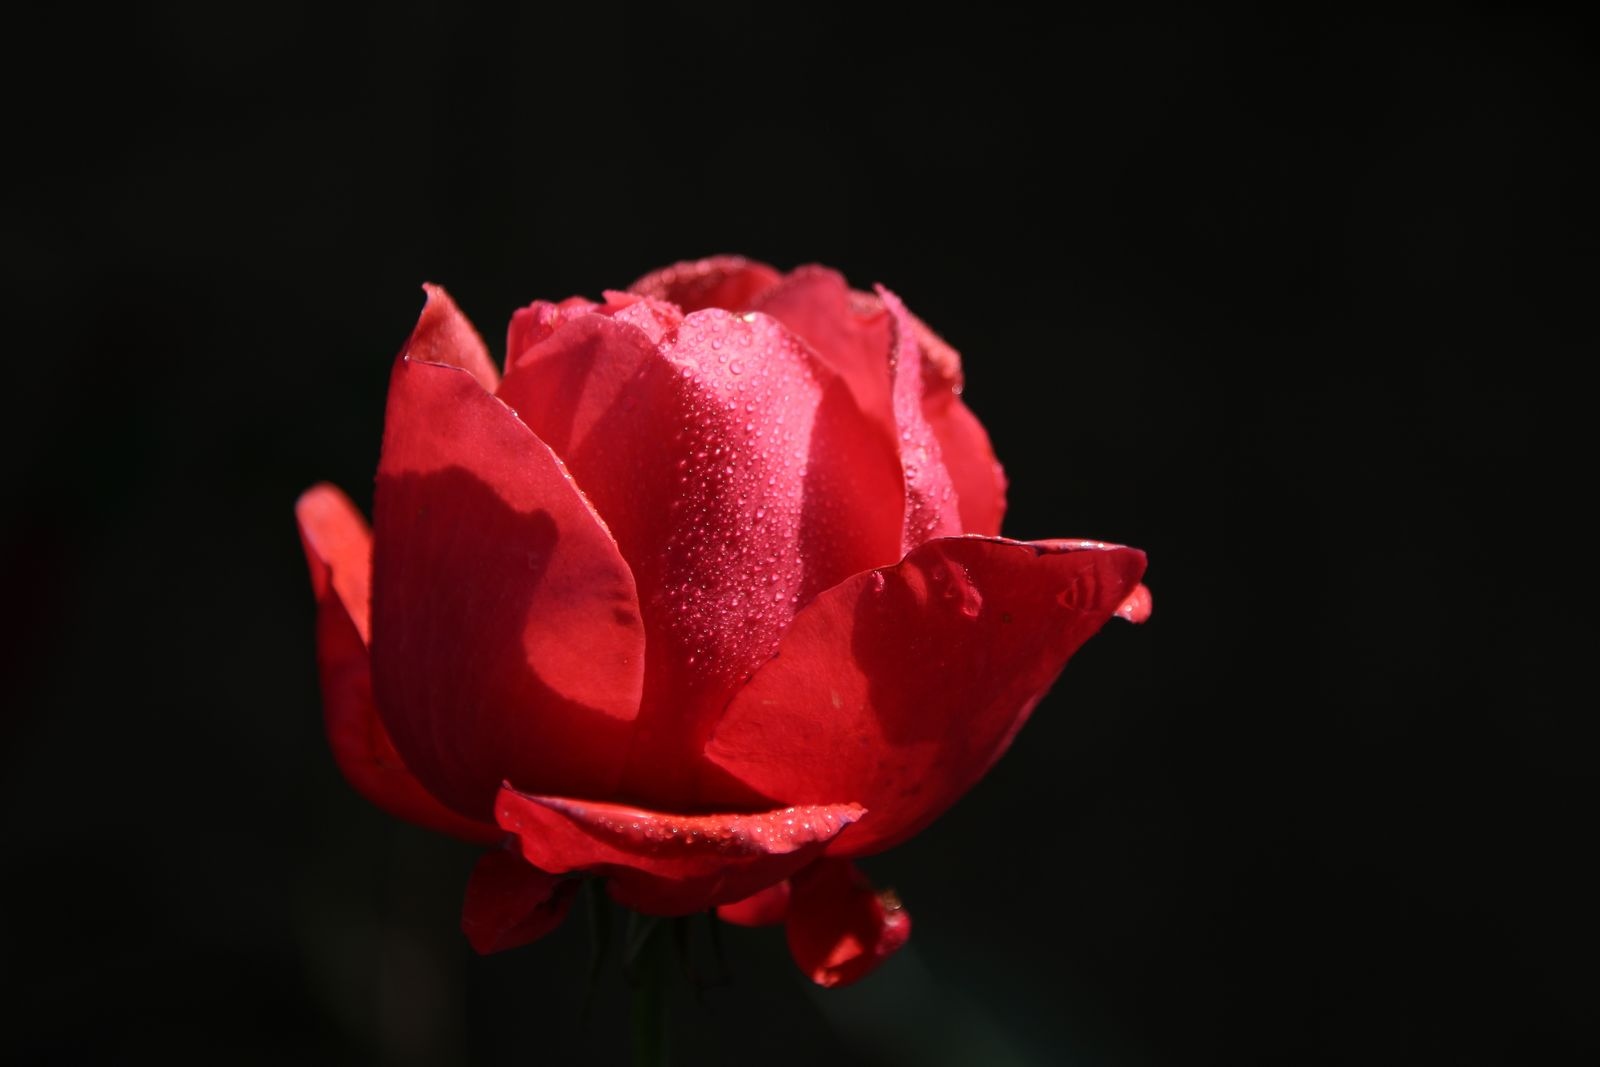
731 572
930 494
951 586
766 833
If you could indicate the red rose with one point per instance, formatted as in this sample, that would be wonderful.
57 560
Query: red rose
705 596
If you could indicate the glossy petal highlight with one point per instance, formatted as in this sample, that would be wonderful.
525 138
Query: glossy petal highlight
840 928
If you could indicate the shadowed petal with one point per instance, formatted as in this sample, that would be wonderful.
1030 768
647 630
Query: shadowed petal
338 551
670 864
840 928
902 685
506 636
769 906
511 903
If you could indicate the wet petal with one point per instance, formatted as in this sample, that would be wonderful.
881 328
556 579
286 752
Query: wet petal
932 508
668 864
817 305
739 478
728 282
979 480
338 551
507 641
902 685
511 903
539 320
443 335
840 928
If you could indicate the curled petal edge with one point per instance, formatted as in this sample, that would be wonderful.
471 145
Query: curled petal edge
666 864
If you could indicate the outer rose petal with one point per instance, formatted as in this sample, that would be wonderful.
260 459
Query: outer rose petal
339 553
443 335
839 927
507 641
740 480
769 906
665 864
1137 607
979 479
510 902
728 282
901 686
932 509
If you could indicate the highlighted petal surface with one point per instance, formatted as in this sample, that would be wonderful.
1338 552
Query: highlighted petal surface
769 906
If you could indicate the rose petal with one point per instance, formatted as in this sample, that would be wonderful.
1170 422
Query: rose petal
901 686
932 508
443 335
666 864
1136 608
818 306
739 478
539 320
511 903
840 928
728 282
338 551
507 641
979 480
769 906
655 317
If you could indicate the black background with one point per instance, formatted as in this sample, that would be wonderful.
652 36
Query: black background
1298 308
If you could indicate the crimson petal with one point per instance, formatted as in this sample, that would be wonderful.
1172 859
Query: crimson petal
443 335
818 306
763 908
932 508
511 903
901 686
507 641
711 457
1137 607
839 927
665 864
338 551
728 282
979 479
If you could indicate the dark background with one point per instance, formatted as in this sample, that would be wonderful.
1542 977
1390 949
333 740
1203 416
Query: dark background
1301 309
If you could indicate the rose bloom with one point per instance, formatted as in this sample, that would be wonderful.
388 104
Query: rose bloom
704 595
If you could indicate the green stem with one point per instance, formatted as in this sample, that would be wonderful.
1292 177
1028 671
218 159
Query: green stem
649 1008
